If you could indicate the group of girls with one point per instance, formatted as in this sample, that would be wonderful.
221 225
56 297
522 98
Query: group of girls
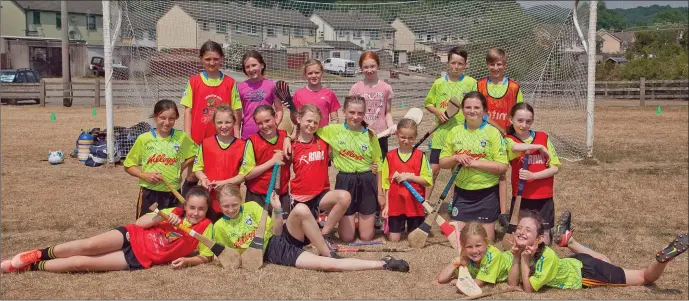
234 138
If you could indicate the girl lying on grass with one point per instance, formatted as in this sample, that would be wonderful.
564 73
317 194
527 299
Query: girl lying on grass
149 241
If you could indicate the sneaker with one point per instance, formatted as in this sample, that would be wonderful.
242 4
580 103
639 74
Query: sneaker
322 218
331 246
674 248
7 267
22 260
395 265
563 229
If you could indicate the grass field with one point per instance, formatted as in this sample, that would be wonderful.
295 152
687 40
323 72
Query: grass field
627 204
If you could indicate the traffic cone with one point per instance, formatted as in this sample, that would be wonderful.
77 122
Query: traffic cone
52 116
93 112
659 111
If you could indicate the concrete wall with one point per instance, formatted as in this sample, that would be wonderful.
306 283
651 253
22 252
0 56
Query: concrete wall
610 44
12 19
176 29
404 37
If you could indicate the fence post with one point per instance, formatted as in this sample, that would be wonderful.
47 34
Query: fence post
97 94
606 89
42 94
642 92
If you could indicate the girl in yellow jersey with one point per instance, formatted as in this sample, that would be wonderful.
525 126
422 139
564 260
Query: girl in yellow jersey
479 148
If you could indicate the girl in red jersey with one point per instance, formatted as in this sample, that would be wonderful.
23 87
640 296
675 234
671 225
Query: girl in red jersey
404 164
543 166
149 241
311 184
203 94
219 157
263 150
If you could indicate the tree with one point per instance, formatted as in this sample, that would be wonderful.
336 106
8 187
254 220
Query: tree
671 17
609 19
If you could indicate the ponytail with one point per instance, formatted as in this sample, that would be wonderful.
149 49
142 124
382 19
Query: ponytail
358 99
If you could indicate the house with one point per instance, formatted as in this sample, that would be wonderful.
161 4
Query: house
363 29
616 60
430 32
43 55
190 24
337 49
615 42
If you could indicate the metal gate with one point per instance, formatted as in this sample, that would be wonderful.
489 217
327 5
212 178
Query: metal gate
46 60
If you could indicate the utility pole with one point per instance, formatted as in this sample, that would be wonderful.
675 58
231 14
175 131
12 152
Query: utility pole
66 76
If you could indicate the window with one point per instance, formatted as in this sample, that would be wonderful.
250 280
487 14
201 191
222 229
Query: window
30 77
236 28
312 32
298 32
37 18
152 34
428 37
220 27
58 20
420 37
320 35
336 54
138 33
270 31
21 78
91 22
388 35
253 29
340 33
204 25
375 35
357 34
285 31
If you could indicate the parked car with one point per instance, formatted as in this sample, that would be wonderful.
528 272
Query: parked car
340 66
22 75
416 68
97 68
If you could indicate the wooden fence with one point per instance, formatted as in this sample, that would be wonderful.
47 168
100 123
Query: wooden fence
407 92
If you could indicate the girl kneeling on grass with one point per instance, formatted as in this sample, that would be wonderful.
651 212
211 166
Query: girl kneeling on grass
311 184
285 242
219 157
411 165
485 262
149 241
539 266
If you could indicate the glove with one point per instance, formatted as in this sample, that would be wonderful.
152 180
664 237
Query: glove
283 93
504 220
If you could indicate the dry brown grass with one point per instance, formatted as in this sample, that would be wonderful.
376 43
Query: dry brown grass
627 205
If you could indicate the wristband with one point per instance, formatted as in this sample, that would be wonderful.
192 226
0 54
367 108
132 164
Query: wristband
277 211
455 263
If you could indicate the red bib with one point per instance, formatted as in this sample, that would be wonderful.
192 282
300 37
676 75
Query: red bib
499 108
310 166
263 152
221 164
163 243
204 101
536 189
401 201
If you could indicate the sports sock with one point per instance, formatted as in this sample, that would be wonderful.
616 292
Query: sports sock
48 253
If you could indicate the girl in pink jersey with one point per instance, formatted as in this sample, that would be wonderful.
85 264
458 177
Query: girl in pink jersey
314 93
255 91
311 185
378 95
149 241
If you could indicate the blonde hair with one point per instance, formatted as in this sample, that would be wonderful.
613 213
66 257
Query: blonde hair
229 190
310 63
224 108
496 54
407 123
471 229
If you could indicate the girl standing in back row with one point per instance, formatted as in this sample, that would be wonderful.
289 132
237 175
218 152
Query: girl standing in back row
378 95
257 90
314 93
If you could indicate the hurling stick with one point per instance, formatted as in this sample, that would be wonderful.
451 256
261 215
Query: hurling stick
229 258
508 239
385 250
179 197
466 284
507 290
453 101
417 238
252 258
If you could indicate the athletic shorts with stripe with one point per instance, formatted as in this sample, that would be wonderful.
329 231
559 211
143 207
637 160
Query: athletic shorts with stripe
596 272
147 197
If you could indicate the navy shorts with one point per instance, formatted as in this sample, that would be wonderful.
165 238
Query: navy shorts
482 205
261 200
148 197
127 250
396 223
284 249
313 204
435 156
544 207
596 272
363 187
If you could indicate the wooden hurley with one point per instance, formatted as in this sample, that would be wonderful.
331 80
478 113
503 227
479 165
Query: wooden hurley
507 290
252 258
508 239
229 258
466 284
451 111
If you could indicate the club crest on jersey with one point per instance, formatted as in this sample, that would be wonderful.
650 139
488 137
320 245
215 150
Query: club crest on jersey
176 147
248 221
455 211
483 143
364 147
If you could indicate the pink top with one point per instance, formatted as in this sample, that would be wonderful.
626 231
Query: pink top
376 98
254 94
324 99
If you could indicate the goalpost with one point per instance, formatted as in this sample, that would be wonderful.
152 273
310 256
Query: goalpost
151 49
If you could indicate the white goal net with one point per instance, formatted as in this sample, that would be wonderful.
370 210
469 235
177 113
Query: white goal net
156 49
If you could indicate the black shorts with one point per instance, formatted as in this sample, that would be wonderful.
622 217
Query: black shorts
147 197
284 249
544 207
383 141
261 200
127 250
186 186
481 205
396 223
435 156
364 190
314 204
596 272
